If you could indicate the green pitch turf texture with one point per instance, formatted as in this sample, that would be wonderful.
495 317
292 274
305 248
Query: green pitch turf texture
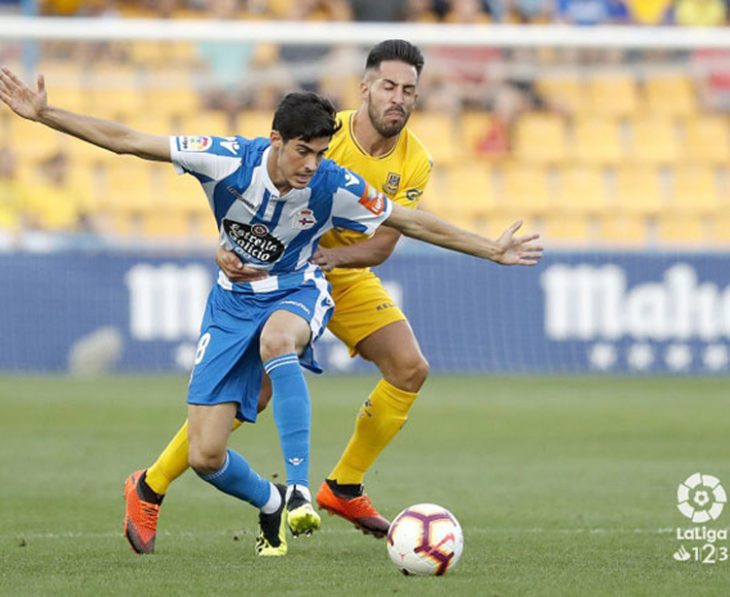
563 487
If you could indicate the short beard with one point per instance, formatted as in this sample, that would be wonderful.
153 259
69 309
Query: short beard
383 129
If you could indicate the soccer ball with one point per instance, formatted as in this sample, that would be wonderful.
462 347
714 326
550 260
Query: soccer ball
425 540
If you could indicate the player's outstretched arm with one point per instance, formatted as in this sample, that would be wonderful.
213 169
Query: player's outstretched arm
508 249
33 105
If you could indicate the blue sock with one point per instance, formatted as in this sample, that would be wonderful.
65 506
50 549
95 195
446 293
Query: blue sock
292 415
238 479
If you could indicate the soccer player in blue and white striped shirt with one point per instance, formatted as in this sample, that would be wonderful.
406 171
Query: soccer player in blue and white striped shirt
272 199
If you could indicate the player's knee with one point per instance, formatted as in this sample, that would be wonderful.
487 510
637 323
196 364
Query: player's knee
274 344
204 461
410 374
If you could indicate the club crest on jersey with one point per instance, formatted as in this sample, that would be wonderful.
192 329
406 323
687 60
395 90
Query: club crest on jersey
260 230
253 242
372 200
304 219
195 143
391 183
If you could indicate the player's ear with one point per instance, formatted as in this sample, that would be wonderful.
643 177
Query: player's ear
364 88
276 140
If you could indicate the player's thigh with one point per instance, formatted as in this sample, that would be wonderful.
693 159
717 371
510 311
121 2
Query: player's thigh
297 319
361 309
395 350
227 367
282 333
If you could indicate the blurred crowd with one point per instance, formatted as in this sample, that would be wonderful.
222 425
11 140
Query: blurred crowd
525 122
579 12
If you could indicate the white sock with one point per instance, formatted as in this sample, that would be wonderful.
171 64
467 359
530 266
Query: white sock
274 501
303 489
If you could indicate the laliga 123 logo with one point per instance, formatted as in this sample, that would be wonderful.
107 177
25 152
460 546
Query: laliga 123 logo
701 498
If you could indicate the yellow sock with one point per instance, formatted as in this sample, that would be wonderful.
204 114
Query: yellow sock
173 461
379 419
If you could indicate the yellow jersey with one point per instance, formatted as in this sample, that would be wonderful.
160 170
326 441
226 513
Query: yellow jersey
401 175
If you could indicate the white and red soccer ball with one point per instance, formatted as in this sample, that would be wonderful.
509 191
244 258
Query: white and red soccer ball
425 540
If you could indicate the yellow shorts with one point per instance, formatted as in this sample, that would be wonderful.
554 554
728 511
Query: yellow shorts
361 308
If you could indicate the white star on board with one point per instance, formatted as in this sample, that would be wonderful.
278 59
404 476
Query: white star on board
640 356
602 356
678 357
715 357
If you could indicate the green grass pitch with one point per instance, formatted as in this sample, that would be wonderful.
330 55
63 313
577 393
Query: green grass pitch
564 486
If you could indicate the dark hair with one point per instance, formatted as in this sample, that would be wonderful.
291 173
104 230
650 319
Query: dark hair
395 49
305 115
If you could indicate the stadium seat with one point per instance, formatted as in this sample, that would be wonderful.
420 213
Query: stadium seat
115 103
568 229
181 191
707 140
165 223
677 228
596 141
207 123
582 191
540 138
74 99
473 125
613 95
89 180
154 123
203 226
565 92
637 190
437 132
623 230
524 190
145 52
721 229
33 141
671 95
470 190
654 141
58 73
498 222
342 89
695 190
84 154
173 101
129 186
254 123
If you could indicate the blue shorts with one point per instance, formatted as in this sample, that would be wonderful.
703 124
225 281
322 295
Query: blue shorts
227 366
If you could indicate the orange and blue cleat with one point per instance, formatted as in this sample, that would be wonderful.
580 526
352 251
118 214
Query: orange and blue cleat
357 509
141 514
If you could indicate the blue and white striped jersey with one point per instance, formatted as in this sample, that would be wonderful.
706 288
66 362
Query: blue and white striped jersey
269 232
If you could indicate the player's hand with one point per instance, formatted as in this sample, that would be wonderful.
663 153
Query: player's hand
518 250
22 100
326 259
232 267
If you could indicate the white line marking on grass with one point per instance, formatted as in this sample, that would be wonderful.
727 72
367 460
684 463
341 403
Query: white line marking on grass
243 533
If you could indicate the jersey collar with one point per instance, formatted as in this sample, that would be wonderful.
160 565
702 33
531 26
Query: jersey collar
268 183
360 148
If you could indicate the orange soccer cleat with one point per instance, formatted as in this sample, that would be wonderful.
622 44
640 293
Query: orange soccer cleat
140 516
358 510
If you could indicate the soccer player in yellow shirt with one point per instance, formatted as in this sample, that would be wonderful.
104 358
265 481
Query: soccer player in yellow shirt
375 143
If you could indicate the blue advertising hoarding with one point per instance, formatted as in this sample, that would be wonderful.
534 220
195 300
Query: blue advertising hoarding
574 313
